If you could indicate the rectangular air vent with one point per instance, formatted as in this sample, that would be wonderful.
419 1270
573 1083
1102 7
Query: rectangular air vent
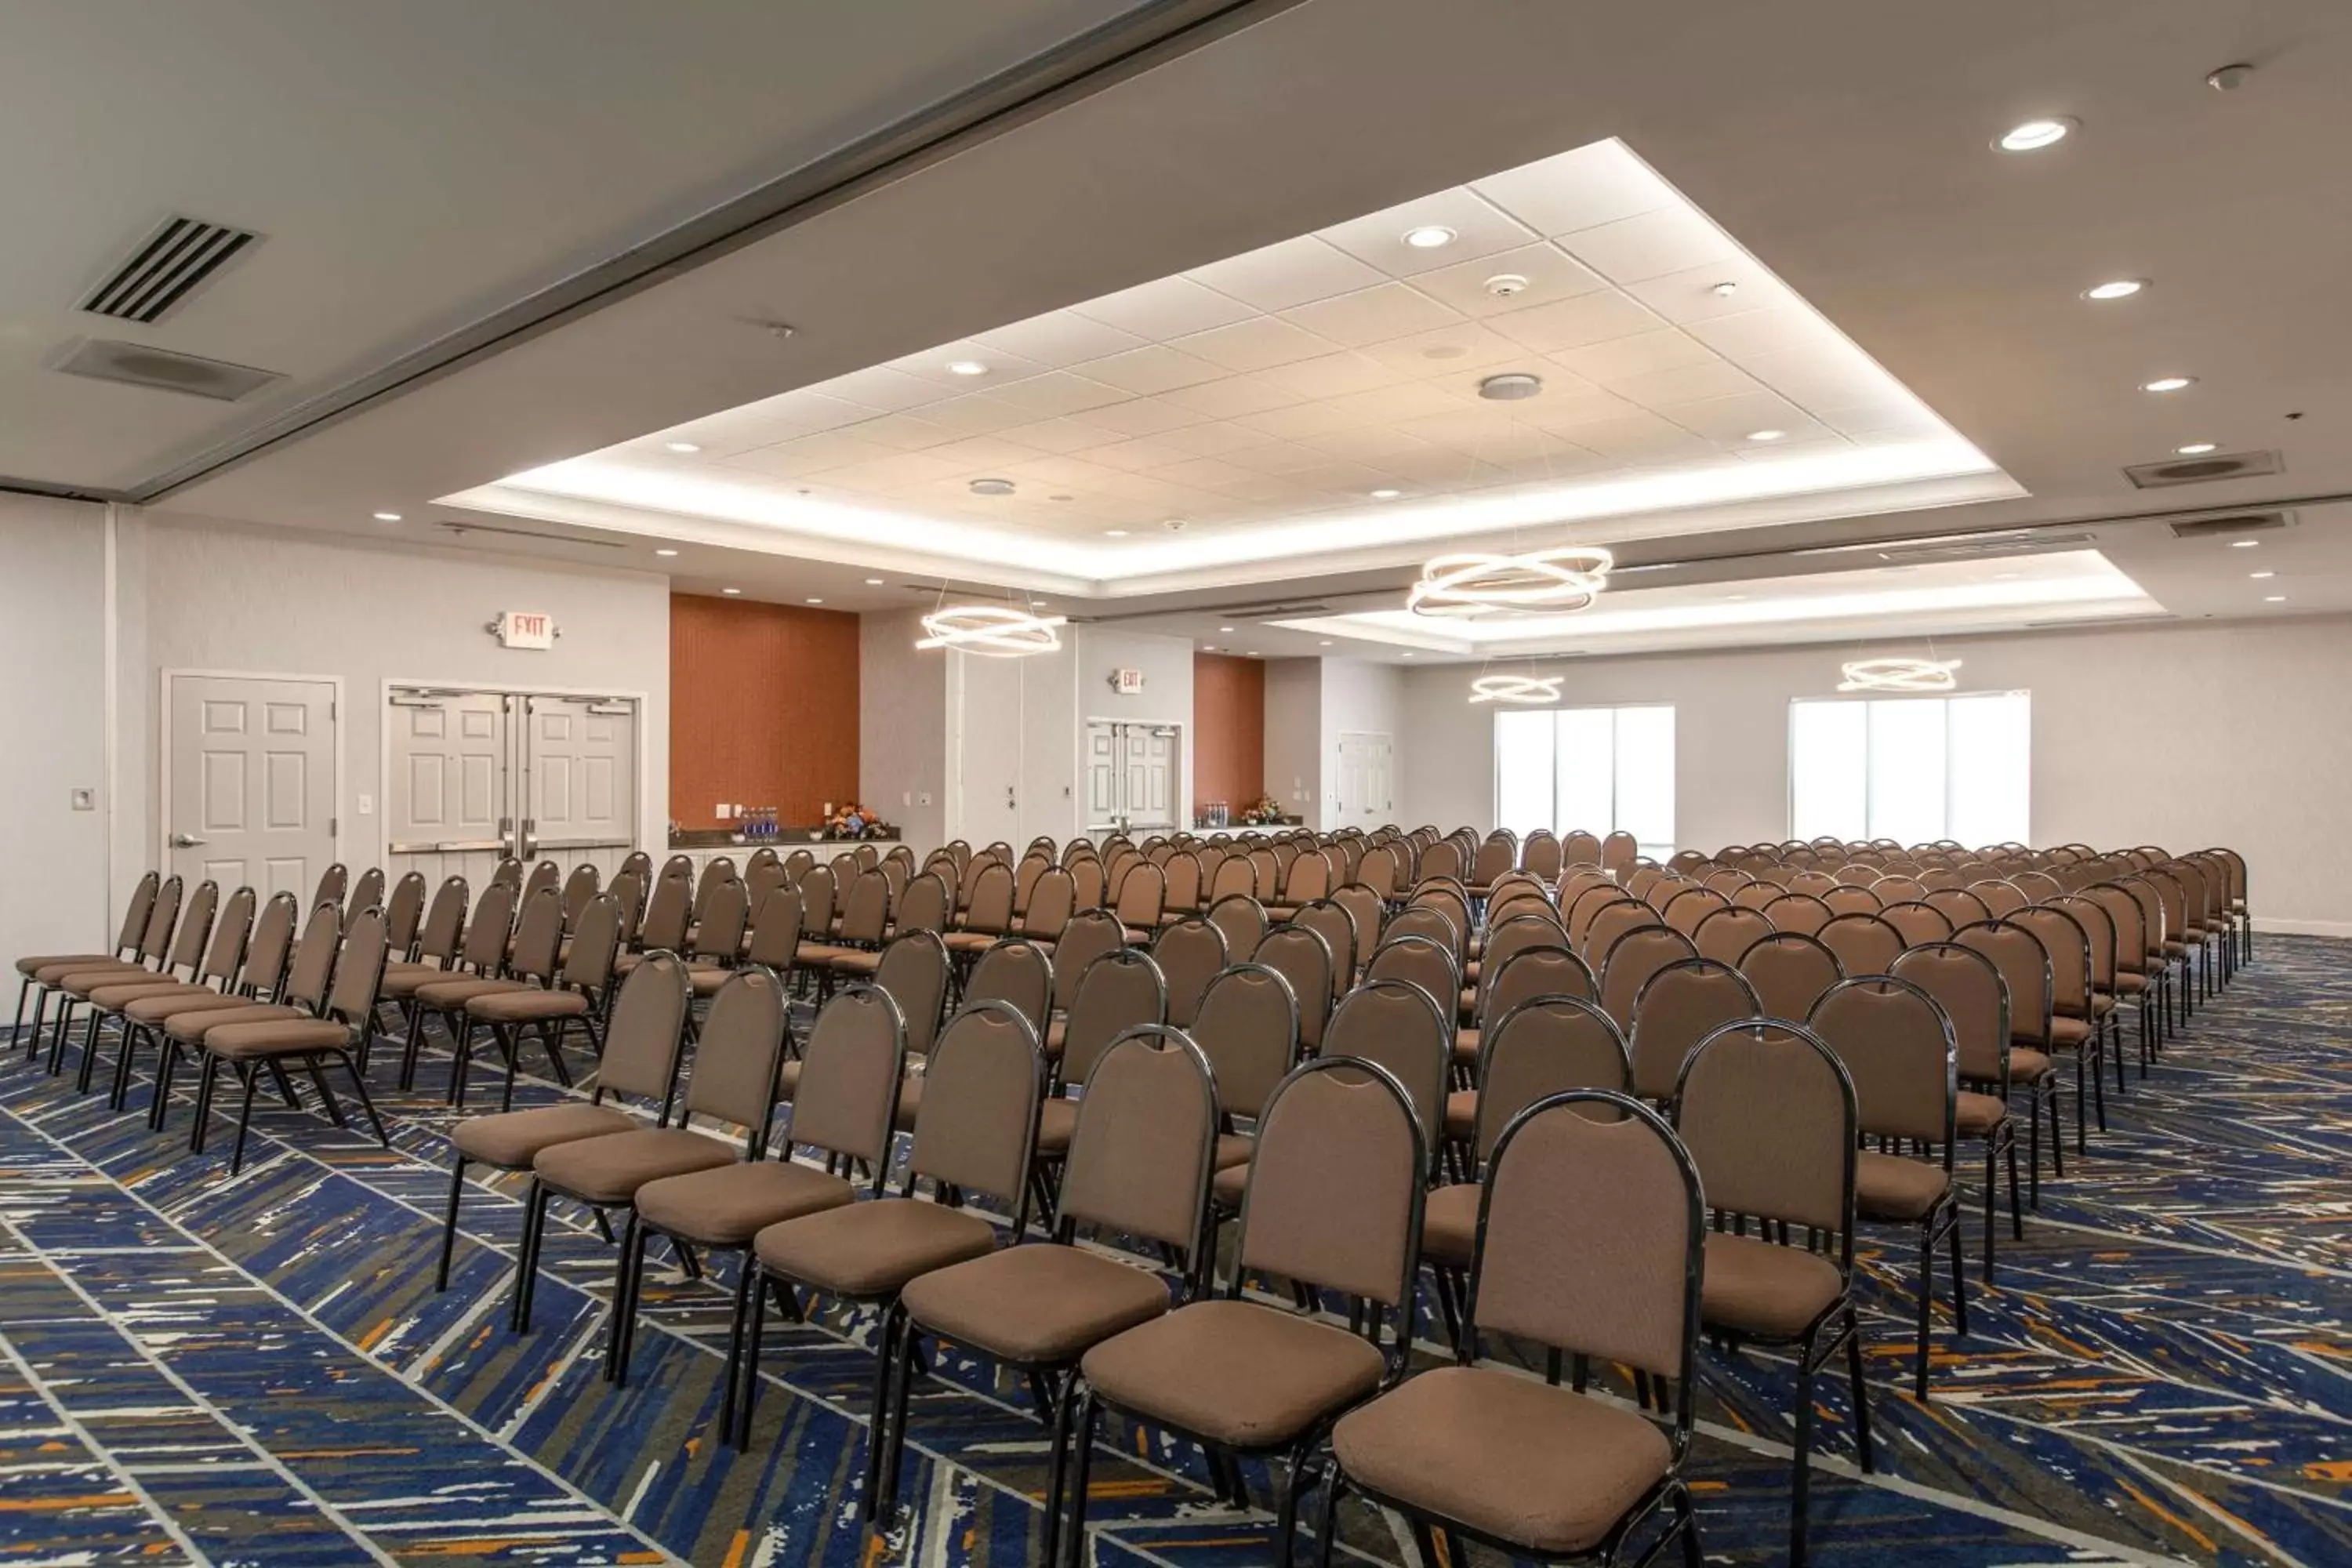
164 269
2235 523
2007 544
103 358
2204 469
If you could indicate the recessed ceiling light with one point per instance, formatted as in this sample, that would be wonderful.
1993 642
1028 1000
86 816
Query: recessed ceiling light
387 517
2036 134
681 446
1386 494
2244 543
966 367
1252 654
1036 604
2004 576
1725 289
1324 643
2258 577
812 600
2194 448
2274 599
1768 435
874 582
2168 383
2121 288
1224 628
1113 533
1408 656
992 487
730 590
1429 236
664 552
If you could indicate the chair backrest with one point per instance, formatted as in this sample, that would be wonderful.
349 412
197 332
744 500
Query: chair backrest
1018 973
913 972
818 889
334 883
1190 953
162 918
1090 935
1801 912
2099 929
1864 944
719 868
1790 972
1968 986
738 1052
866 910
314 958
538 936
1534 972
1034 864
847 1096
1119 990
2069 946
2025 971
1497 853
127 937
977 1128
1301 956
2130 923
1510 937
1629 965
726 914
1687 907
1540 1047
544 876
1767 1114
1335 1187
987 897
1900 1052
644 1039
1580 848
1403 1028
510 871
265 957
1681 1005
669 910
358 969
1337 930
1380 872
776 930
1999 898
1182 885
1086 882
1146 1138
924 903
489 929
195 929
1432 922
1446 899
1405 956
1611 921
1853 900
638 861
1142 896
1590 1230
584 884
403 912
628 888
1540 855
595 942
225 955
1916 922
1247 1025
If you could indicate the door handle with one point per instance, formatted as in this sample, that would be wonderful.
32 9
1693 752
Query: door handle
185 841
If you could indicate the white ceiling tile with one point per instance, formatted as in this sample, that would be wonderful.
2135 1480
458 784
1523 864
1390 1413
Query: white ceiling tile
1374 444
1203 473
882 389
1343 481
1143 417
1373 315
1831 372
1388 405
1783 329
1690 294
1235 395
1057 392
1275 457
1550 274
1152 369
1480 229
1258 344
767 422
1644 353
1643 438
905 432
1651 246
1667 389
1210 439
931 366
1056 340
1290 273
812 454
1730 419
1333 375
883 473
1903 417
1130 457
1163 308
977 454
1570 408
1465 346
1055 434
1575 189
1573 323
1299 419
1056 473
976 414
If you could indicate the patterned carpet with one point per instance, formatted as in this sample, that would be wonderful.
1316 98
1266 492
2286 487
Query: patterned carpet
255 1369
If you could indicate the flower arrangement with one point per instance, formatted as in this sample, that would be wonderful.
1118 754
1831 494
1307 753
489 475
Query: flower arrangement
1262 810
850 820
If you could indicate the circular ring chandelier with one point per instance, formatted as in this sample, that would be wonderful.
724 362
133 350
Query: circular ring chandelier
994 631
1898 675
1529 689
1543 582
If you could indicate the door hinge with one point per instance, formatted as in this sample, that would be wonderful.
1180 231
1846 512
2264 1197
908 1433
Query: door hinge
334 828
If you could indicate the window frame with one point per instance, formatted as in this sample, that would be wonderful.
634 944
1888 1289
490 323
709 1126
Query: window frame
1656 850
1946 701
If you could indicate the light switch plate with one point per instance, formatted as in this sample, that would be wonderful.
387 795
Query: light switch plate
367 806
84 799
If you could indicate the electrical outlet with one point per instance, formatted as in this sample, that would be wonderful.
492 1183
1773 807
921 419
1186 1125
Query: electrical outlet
923 799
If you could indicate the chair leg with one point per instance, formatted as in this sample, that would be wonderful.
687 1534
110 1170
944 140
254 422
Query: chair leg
746 1279
885 1351
1686 1520
904 1384
1296 1474
1927 1293
2016 1211
1081 1464
89 1050
1799 1478
626 1269
735 1425
1326 1518
243 1119
1991 1196
1861 1390
1959 1279
326 1095
24 991
205 1083
534 1216
367 1101
1058 1478
450 1221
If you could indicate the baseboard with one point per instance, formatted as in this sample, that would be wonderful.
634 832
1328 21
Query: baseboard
2265 926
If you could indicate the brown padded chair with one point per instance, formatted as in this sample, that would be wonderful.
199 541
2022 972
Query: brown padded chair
2024 967
213 981
1139 1167
1540 1047
1865 944
1681 1005
1190 953
1588 1243
581 993
341 1031
1790 972
1768 1113
1728 934
1505 937
107 991
129 948
1795 911
529 963
1121 990
1899 1050
1628 966
1367 908
1916 922
913 972
1240 1377
2079 1016
1337 930
1142 899
1687 907
1244 921
1402 1028
1529 973
645 1040
1248 1028
481 955
1018 972
262 974
146 961
923 904
1406 956
1090 933
301 997
1304 959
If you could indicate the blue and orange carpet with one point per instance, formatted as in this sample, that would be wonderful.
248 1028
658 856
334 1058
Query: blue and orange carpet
255 1369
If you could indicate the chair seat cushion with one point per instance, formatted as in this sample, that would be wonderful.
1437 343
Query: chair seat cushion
527 1005
82 982
193 1027
277 1037
156 1007
1233 1148
1466 1048
451 995
1764 1288
511 1138
2130 981
1236 1373
1057 1118
1038 1304
33 964
1888 1186
2026 1064
611 1168
408 978
1227 1187
1449 1224
1513 1458
708 979
1462 1114
817 953
974 942
855 961
1976 1115
871 1250
58 970
114 998
729 1204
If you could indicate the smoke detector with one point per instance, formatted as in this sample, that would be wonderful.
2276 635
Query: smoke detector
1511 386
1504 285
992 487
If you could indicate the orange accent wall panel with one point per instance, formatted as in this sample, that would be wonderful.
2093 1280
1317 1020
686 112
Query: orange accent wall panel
762 709
1228 730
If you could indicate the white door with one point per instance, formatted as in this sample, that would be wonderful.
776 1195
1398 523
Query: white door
447 795
986 697
580 780
252 795
1106 792
1366 793
1149 755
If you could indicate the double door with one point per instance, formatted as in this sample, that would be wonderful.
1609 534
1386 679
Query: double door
475 776
1131 777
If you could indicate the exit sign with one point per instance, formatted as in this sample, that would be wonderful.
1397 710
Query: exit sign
527 628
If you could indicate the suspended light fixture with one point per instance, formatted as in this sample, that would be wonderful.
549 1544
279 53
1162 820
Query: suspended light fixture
1898 675
1523 689
1543 582
994 631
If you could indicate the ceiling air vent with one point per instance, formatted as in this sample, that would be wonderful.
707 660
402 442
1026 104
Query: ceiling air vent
163 369
1965 549
2204 469
2235 523
164 269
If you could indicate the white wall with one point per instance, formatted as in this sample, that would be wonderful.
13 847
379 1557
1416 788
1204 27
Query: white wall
216 596
902 728
53 644
1358 697
1293 735
2180 736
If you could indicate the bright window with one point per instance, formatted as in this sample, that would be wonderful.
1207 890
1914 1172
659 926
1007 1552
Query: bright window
1600 769
1913 769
